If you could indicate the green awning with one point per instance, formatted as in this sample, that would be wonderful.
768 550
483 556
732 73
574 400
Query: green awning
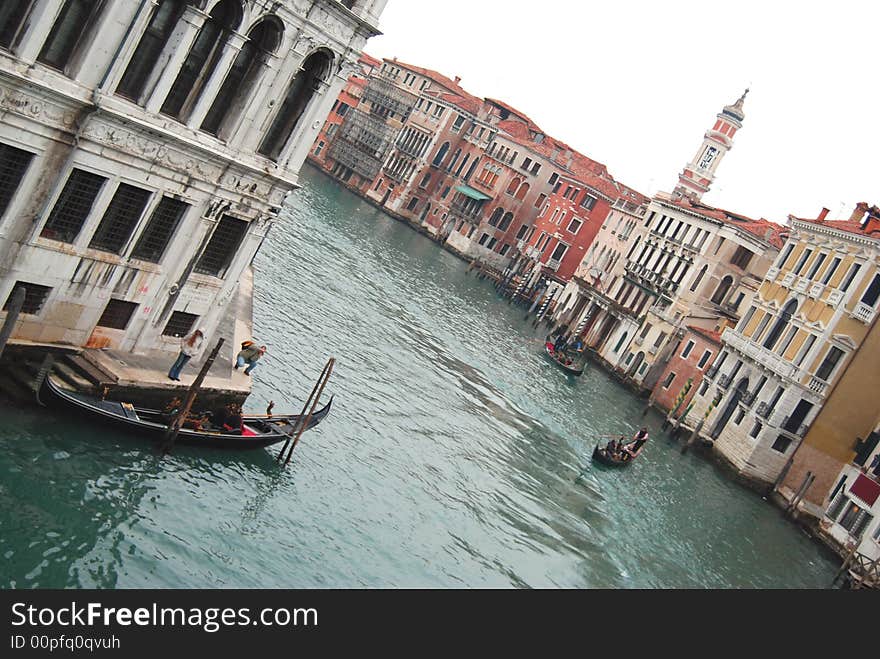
468 191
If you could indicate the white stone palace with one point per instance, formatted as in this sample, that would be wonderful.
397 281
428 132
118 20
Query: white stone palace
146 147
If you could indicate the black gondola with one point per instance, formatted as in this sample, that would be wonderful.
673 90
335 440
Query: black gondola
258 431
600 456
572 369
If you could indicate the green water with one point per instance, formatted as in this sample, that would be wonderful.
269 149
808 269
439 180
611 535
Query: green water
450 459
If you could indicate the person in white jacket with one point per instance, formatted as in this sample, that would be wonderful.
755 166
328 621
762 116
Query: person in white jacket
189 348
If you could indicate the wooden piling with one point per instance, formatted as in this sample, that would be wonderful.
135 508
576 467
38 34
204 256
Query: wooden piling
11 317
304 420
177 422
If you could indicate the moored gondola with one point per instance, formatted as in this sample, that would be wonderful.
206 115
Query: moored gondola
572 368
257 431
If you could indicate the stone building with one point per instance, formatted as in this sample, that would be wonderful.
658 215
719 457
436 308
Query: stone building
812 312
146 149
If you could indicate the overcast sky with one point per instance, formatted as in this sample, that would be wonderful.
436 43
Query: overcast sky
636 83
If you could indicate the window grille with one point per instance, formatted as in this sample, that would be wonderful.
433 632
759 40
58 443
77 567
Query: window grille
34 297
221 248
179 324
13 164
116 314
836 506
159 230
73 206
120 218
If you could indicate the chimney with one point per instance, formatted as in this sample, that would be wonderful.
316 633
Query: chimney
872 224
822 215
859 212
457 79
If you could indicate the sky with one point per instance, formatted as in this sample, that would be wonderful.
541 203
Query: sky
635 85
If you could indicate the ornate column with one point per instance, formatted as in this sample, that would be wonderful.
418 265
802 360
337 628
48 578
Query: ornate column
192 21
209 92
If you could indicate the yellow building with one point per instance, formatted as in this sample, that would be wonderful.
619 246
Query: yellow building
787 354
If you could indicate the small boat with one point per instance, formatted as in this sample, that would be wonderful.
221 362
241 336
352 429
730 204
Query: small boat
572 368
258 431
600 456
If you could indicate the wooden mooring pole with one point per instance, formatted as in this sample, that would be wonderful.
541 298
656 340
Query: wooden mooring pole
177 422
313 398
11 317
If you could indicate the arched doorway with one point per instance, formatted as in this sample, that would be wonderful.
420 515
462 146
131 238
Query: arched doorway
634 367
732 404
722 290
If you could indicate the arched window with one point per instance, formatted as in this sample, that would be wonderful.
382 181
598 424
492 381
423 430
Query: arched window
496 215
462 165
522 191
454 160
470 171
441 154
146 55
202 58
505 221
262 41
72 22
513 186
314 70
12 21
780 324
697 279
722 290
620 343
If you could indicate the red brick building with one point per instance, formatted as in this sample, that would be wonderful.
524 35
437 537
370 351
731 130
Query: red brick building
690 360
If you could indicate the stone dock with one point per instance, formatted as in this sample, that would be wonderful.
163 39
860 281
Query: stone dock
140 378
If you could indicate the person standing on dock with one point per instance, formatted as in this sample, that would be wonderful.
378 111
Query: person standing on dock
189 348
249 354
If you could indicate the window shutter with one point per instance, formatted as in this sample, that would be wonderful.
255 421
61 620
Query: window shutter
837 506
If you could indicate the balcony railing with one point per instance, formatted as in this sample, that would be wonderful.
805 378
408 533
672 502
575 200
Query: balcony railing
638 340
788 279
835 297
759 354
816 290
748 398
724 381
712 372
864 313
772 273
763 410
553 264
818 385
801 285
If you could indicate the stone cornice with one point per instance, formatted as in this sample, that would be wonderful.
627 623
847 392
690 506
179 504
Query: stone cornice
837 233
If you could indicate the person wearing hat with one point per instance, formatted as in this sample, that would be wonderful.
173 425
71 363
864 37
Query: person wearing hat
249 354
189 348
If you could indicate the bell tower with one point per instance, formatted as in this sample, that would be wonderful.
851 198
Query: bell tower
698 174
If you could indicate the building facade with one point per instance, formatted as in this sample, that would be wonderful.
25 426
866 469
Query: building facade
146 148
779 364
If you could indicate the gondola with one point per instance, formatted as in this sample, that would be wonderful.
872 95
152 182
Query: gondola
573 369
600 456
258 431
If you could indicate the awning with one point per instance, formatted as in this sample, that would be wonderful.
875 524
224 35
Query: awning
468 191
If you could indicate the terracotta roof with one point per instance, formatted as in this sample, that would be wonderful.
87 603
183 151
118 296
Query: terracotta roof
369 59
870 228
513 110
772 232
436 76
713 336
467 103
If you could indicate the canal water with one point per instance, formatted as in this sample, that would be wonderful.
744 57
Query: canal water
456 455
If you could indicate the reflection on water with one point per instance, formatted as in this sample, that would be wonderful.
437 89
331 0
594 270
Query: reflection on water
456 455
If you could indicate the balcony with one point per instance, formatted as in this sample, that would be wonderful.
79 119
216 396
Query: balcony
480 184
788 279
835 297
553 264
801 285
748 398
816 290
724 381
763 410
712 372
818 385
864 313
772 273
638 341
760 355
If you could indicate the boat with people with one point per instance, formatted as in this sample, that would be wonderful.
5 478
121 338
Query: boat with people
253 431
621 452
562 360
